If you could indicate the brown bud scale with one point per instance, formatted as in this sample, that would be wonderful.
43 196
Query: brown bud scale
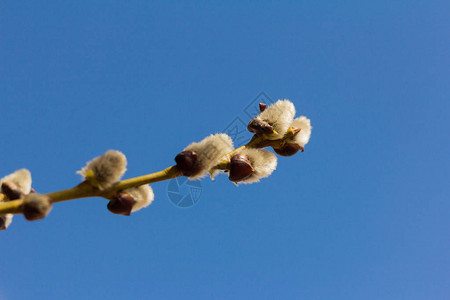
11 190
259 127
2 222
187 163
240 168
121 204
288 149
262 107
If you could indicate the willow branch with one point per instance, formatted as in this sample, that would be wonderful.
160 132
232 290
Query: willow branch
84 190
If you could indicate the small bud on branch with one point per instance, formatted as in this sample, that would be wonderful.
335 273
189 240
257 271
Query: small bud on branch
121 204
240 167
36 207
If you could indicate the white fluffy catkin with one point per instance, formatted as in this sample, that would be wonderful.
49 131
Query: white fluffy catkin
21 178
279 115
36 206
143 196
302 138
263 162
6 220
210 151
106 169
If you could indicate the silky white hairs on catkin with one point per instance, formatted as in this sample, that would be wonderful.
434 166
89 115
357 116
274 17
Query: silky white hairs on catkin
263 162
143 196
107 168
210 151
21 178
36 206
302 122
6 220
279 115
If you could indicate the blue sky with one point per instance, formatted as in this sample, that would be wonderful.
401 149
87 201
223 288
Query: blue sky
363 213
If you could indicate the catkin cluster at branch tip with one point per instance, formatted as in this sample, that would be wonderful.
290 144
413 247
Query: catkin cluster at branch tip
274 126
279 115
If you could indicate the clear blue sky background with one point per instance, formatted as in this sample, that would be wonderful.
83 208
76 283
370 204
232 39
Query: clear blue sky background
362 214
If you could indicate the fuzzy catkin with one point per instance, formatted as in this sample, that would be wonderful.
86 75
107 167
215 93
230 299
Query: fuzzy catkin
5 221
263 162
143 196
21 178
302 138
279 115
210 151
105 169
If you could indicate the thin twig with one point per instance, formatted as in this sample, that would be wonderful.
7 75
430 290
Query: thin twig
84 190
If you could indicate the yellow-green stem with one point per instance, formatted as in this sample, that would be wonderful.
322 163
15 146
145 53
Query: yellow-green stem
169 173
255 142
11 207
84 190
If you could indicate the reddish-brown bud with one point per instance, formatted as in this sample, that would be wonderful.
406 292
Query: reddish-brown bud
121 204
11 190
2 222
240 167
262 107
288 149
258 126
187 163
36 207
